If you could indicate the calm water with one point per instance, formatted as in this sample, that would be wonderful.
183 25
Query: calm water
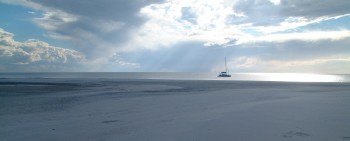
290 77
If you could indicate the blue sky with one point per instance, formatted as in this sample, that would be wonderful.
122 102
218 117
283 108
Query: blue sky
308 36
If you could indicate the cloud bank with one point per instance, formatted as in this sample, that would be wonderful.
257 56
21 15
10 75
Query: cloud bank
34 51
37 55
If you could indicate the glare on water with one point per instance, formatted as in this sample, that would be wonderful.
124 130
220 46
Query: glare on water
297 77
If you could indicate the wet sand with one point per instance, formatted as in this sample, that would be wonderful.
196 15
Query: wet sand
158 110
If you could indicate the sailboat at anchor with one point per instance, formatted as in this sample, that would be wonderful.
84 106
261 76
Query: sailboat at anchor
224 73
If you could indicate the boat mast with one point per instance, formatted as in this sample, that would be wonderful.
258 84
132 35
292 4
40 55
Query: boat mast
225 65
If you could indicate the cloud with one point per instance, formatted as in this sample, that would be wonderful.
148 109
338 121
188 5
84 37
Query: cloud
248 62
117 59
55 19
314 8
226 23
245 62
175 22
95 27
275 2
134 34
262 12
36 55
102 27
275 16
314 65
293 23
34 51
311 36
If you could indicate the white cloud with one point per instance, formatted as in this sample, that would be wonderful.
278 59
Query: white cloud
36 55
209 22
275 2
31 12
34 51
318 65
26 3
108 26
117 59
293 23
54 19
167 24
245 62
248 62
302 36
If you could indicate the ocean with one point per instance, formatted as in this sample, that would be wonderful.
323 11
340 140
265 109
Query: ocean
283 77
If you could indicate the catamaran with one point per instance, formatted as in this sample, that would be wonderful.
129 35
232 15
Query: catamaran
224 73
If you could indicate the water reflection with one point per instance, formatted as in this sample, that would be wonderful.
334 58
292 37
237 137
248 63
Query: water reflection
290 77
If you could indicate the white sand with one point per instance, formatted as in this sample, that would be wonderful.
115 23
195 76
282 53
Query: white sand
155 110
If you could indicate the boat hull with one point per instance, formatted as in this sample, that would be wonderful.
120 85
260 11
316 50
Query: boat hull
224 75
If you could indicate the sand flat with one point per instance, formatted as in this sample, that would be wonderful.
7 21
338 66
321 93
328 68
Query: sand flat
107 109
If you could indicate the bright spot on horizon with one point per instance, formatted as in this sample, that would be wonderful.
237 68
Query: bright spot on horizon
298 77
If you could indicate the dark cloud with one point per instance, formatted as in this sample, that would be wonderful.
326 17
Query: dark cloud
119 10
96 27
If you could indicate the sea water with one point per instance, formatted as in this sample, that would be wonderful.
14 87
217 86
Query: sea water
284 77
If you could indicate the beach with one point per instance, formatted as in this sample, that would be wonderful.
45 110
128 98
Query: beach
96 109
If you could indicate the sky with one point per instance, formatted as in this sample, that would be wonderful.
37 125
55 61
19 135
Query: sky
267 36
